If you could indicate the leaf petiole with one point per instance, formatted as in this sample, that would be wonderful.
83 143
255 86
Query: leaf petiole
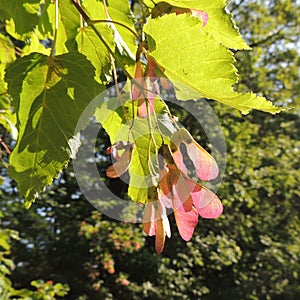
123 25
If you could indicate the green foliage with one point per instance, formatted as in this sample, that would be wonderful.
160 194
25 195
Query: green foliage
23 14
6 264
7 54
51 87
251 252
44 290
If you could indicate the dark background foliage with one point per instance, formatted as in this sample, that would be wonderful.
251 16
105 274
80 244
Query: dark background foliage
251 252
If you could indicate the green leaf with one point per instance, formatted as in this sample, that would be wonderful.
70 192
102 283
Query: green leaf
90 45
49 96
68 24
220 24
25 13
141 177
45 26
4 241
200 66
7 55
70 19
7 116
35 45
118 11
83 38
116 120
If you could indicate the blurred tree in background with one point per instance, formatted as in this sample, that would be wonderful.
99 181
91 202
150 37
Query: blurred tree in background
251 252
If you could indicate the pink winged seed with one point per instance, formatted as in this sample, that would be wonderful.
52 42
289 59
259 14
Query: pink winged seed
138 77
155 222
182 199
159 236
202 15
207 204
186 223
142 108
113 151
163 216
205 164
164 192
121 165
149 219
178 158
142 104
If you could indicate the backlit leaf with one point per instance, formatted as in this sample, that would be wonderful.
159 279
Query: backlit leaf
23 12
91 46
199 66
219 25
49 100
117 11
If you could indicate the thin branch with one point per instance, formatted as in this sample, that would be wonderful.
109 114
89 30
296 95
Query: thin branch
270 36
121 24
114 69
5 146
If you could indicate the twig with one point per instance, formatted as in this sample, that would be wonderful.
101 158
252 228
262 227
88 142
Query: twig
5 146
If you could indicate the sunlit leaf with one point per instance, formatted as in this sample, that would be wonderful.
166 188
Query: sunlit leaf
117 11
89 44
219 24
200 66
53 89
25 14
